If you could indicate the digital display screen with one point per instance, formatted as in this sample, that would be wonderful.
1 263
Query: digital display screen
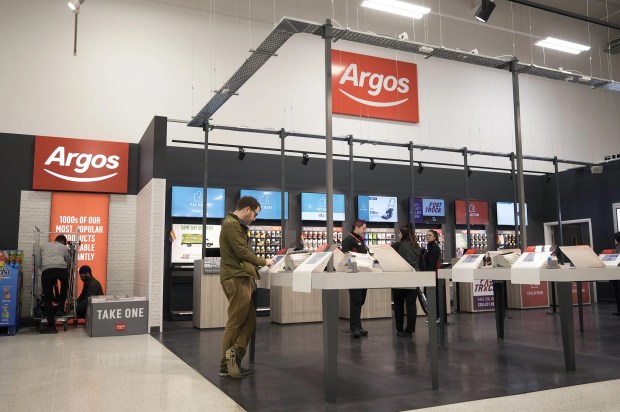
187 202
270 203
314 207
428 210
609 258
506 216
377 208
618 219
470 258
478 212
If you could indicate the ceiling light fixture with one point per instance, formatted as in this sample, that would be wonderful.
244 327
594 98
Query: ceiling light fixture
484 11
547 178
397 7
420 168
241 154
305 159
74 5
372 164
562 45
469 171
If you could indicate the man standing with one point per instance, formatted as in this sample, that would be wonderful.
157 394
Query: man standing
355 243
54 261
238 275
90 287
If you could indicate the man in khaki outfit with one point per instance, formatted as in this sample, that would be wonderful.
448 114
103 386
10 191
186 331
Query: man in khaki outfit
238 275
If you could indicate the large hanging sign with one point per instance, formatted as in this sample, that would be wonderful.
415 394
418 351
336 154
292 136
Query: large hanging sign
88 214
374 87
79 165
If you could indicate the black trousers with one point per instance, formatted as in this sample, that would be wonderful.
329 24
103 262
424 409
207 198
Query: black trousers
405 298
49 278
616 286
357 297
80 309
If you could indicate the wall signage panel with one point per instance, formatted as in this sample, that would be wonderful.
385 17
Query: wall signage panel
187 202
377 208
79 165
270 203
187 242
506 214
374 87
478 212
314 207
428 210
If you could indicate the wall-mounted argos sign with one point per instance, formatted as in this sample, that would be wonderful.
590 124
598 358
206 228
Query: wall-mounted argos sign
80 165
374 87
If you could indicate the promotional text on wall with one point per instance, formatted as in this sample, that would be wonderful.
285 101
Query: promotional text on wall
374 87
80 165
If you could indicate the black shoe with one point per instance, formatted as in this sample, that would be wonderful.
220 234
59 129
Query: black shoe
399 333
49 330
363 332
356 334
407 334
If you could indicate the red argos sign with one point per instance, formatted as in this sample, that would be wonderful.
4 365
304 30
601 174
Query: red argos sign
374 87
80 165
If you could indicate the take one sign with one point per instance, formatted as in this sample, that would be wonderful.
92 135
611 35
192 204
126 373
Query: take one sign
80 165
374 87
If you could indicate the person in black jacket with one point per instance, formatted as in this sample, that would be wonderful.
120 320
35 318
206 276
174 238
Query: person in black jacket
91 287
431 257
409 249
616 283
354 242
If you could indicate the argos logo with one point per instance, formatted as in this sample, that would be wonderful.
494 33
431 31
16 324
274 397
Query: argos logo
80 165
374 87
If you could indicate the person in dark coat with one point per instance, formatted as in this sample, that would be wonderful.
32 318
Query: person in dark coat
431 258
91 287
409 249
354 242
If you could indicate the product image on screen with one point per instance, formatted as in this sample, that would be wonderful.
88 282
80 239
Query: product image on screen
314 207
187 202
428 210
470 259
506 215
270 203
609 258
478 212
377 208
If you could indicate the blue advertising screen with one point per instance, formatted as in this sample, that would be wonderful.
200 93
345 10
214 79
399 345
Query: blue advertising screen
187 202
270 203
314 207
428 210
377 208
506 214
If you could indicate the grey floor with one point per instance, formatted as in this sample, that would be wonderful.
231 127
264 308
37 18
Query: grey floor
525 372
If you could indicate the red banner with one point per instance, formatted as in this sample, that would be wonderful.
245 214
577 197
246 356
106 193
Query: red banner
374 87
585 293
80 165
535 296
88 215
478 212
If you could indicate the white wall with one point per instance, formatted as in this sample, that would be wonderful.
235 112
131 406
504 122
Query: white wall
139 58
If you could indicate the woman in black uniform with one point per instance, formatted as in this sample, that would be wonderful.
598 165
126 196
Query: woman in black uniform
409 249
354 242
431 258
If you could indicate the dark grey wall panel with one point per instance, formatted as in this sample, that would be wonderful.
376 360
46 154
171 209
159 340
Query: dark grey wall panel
152 152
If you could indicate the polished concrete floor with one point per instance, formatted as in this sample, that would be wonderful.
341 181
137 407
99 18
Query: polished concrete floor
387 373
525 372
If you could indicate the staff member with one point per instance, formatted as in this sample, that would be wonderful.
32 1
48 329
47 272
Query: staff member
54 261
354 242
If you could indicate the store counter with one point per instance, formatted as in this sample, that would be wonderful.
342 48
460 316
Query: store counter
210 306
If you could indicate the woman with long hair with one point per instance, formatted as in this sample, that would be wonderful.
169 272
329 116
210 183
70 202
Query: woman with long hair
409 249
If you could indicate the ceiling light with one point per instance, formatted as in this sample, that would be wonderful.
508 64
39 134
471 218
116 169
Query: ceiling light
75 4
469 171
241 154
397 7
547 178
562 45
305 159
420 168
372 164
484 11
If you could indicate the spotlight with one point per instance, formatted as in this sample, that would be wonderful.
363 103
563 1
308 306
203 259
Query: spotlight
420 168
547 178
305 159
484 11
469 171
241 154
372 164
74 5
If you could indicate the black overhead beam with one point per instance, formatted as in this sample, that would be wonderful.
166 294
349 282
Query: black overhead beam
567 13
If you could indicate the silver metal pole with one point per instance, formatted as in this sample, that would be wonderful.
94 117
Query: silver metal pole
351 216
519 149
283 193
329 154
205 128
412 181
515 199
466 170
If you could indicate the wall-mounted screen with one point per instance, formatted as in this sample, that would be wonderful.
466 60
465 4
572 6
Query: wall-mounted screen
270 203
314 207
506 214
187 202
478 212
377 208
618 219
428 210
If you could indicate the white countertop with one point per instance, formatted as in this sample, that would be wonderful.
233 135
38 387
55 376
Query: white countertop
360 280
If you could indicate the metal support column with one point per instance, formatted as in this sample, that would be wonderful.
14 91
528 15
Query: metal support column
412 181
350 218
466 170
205 128
519 149
515 201
283 191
